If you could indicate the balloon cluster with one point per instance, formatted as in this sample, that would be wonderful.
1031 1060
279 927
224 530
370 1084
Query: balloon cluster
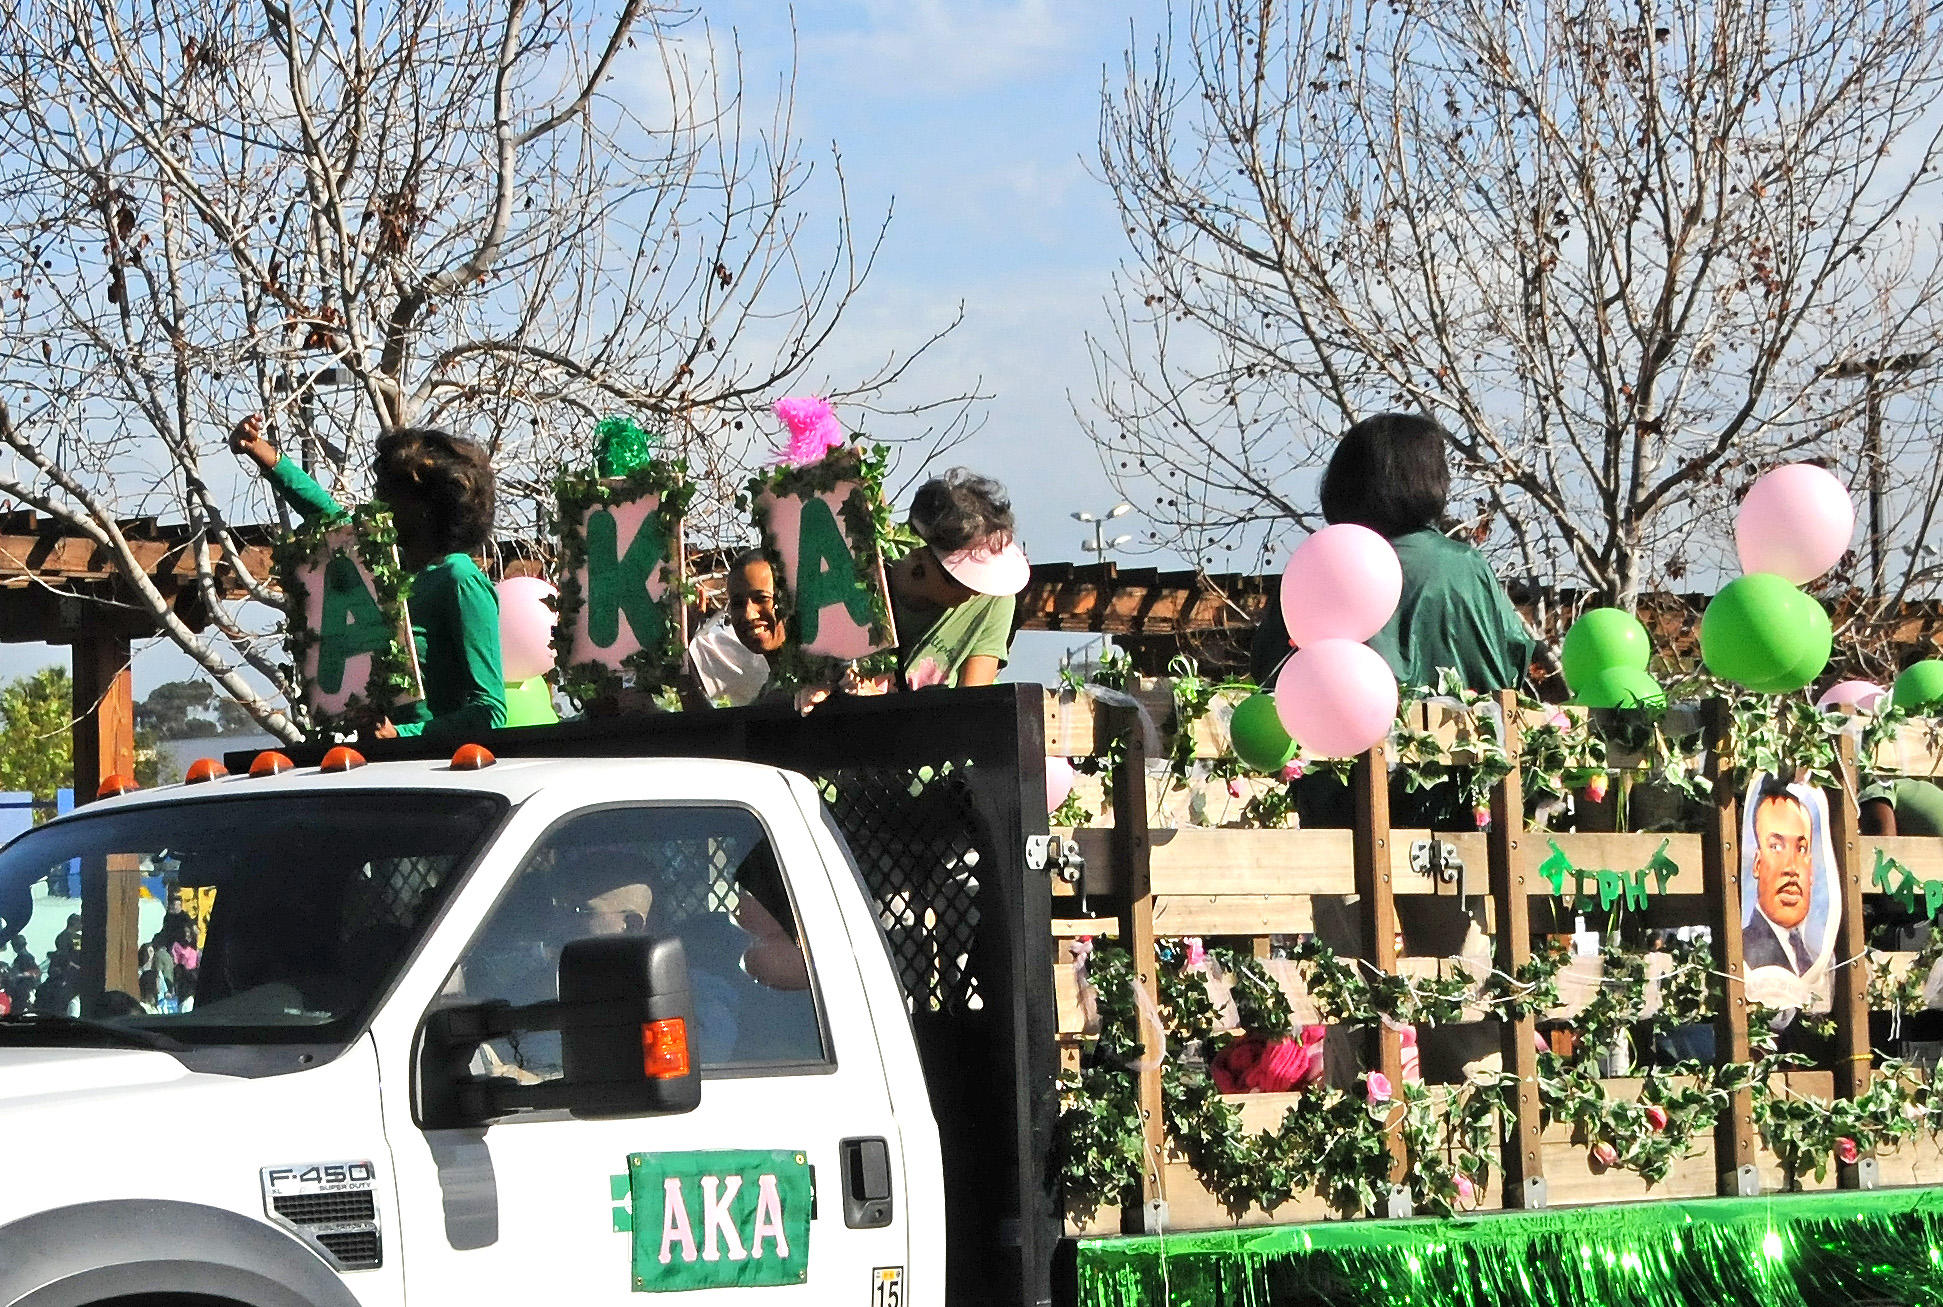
1335 696
1604 658
1761 630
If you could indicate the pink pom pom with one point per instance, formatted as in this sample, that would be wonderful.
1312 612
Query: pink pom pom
813 429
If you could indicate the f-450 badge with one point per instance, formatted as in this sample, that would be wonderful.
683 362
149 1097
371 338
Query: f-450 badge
332 1206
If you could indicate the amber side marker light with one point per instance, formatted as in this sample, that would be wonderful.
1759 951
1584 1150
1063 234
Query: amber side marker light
270 762
343 758
115 786
203 770
472 757
664 1048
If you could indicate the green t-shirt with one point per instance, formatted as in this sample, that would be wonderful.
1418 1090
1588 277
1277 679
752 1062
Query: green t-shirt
1453 613
934 643
455 627
1918 804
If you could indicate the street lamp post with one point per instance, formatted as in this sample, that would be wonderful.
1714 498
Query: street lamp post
1870 369
1099 545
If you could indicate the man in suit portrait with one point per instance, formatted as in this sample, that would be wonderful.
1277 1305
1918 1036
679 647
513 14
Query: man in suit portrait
1784 880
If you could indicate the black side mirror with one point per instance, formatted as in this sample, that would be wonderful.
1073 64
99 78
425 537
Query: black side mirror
632 1054
624 1016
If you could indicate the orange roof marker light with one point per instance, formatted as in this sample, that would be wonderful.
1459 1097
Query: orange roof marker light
343 758
204 769
113 787
270 762
472 757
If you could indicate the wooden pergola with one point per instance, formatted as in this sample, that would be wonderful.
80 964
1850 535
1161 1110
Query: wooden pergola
58 587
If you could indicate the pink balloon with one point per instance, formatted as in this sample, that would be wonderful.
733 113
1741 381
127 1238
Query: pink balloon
1796 522
1336 697
1342 583
1856 696
525 627
1059 782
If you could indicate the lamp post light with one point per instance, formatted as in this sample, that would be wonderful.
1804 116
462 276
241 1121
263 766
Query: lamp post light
1870 369
1099 545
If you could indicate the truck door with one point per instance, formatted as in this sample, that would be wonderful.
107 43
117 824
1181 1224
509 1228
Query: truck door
784 1184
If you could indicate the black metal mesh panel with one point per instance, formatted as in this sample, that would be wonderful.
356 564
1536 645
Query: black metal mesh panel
390 892
919 842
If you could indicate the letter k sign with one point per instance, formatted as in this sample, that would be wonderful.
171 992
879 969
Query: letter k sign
625 580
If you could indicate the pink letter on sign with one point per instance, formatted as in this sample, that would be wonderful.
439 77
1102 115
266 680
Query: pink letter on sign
833 601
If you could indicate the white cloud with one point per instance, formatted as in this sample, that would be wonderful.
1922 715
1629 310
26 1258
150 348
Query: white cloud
944 47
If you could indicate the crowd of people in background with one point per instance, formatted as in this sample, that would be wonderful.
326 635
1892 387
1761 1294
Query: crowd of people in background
166 970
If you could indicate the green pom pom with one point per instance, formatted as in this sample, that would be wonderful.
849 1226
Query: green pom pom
621 446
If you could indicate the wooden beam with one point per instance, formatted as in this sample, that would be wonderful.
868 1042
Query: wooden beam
104 746
1130 856
1734 1140
1375 889
1524 1154
1853 1053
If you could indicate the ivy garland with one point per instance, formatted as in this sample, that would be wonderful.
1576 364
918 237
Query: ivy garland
394 678
1558 755
866 515
1336 1143
575 494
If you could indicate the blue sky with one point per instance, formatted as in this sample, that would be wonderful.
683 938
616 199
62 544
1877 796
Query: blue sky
974 121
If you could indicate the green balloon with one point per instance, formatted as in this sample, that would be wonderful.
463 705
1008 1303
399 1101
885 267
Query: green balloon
1622 687
1261 741
1764 633
530 703
1919 689
1603 638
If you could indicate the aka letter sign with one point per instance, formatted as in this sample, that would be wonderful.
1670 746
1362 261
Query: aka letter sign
621 610
719 1220
838 598
354 650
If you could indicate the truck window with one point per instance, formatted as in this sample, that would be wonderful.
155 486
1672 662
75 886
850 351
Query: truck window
241 920
707 876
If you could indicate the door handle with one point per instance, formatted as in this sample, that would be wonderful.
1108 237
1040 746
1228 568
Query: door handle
866 1183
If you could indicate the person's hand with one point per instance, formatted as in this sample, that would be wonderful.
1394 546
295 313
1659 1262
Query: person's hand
246 440
810 696
384 730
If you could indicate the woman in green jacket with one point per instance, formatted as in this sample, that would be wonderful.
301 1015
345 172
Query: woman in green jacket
440 490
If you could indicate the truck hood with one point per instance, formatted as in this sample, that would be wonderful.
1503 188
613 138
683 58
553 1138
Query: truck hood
65 1073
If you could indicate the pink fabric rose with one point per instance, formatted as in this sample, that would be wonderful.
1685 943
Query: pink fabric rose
1656 1116
1603 1155
1846 1152
1466 1191
925 675
1377 1086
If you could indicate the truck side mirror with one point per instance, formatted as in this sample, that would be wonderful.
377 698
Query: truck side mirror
624 1016
633 1055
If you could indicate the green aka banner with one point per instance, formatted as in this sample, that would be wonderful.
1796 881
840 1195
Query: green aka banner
719 1220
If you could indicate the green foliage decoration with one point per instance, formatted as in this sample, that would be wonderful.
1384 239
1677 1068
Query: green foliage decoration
575 494
866 515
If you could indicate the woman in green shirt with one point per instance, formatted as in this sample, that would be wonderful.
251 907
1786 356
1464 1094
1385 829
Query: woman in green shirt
1391 474
953 599
440 490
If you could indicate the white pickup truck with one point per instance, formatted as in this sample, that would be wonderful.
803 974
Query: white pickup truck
575 1025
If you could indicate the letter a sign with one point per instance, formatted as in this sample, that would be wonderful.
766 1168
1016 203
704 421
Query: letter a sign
839 604
719 1220
345 634
623 591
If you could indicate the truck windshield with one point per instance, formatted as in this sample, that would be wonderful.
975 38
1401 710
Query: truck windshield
278 919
